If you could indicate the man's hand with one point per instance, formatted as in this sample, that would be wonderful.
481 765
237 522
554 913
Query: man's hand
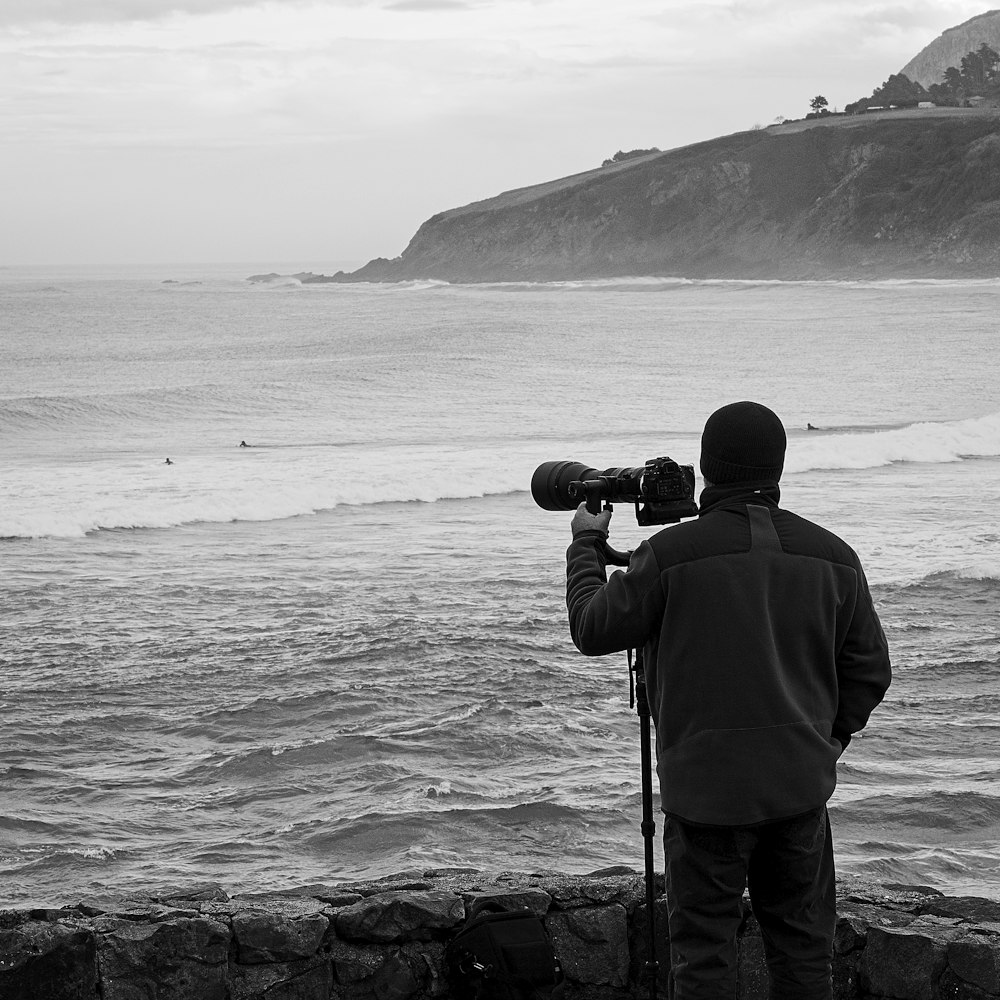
583 520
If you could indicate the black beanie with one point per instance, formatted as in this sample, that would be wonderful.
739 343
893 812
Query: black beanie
742 443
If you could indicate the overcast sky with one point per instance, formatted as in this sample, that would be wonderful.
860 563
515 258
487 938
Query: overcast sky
231 130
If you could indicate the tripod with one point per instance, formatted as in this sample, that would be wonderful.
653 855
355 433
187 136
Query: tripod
640 702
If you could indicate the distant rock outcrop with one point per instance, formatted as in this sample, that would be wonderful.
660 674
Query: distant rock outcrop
900 194
928 65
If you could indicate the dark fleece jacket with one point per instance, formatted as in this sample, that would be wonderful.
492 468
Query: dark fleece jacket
763 652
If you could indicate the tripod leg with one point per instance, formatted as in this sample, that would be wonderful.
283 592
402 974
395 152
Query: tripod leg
648 824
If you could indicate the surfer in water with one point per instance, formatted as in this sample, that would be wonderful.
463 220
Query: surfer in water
168 462
243 444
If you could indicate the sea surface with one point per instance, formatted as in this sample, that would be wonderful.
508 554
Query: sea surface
342 652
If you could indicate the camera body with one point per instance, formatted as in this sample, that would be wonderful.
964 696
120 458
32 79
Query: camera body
662 490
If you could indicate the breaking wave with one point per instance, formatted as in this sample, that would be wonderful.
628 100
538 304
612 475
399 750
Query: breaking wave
274 483
977 437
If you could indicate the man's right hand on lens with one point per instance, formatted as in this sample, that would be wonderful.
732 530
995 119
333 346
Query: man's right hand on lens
583 521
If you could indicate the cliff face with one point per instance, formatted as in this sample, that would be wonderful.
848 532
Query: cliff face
928 65
907 194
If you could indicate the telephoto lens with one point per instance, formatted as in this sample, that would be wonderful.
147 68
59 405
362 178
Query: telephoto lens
550 484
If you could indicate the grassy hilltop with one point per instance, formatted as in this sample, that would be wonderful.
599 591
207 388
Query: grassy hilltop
901 194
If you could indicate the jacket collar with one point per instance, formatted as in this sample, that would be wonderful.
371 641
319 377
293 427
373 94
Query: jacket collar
765 491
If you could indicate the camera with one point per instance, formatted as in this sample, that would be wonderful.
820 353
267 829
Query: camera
662 490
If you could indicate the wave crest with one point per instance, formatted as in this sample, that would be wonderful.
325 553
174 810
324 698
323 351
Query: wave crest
976 437
283 481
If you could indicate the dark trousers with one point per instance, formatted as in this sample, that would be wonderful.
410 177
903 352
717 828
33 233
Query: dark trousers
788 867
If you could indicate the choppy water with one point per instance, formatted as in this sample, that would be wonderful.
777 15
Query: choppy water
342 651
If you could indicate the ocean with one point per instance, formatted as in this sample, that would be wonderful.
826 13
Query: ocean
341 651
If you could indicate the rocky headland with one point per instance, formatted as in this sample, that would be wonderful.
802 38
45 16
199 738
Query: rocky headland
928 65
905 193
385 940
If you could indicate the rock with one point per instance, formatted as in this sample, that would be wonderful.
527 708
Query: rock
950 46
975 959
355 963
592 944
339 899
181 959
116 903
901 897
399 916
391 882
132 908
906 962
854 920
974 909
396 979
199 892
40 960
511 899
311 979
570 891
330 895
387 972
275 937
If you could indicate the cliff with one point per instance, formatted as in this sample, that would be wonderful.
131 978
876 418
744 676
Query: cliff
902 194
385 940
929 64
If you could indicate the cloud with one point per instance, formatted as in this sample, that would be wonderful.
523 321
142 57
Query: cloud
20 12
69 12
428 5
216 99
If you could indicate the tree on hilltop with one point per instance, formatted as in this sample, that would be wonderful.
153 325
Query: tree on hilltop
978 77
899 91
620 156
979 68
819 103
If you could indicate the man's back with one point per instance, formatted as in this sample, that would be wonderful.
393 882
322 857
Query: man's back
762 655
762 648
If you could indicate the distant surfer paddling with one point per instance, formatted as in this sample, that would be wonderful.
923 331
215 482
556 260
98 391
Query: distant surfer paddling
243 444
168 462
809 427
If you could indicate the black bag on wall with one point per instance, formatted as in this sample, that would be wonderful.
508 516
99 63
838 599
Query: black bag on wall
503 955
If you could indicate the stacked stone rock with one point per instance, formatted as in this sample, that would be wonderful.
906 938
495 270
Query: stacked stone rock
385 940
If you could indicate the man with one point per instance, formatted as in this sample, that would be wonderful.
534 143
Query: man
763 655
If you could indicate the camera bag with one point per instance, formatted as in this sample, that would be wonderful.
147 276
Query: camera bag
503 955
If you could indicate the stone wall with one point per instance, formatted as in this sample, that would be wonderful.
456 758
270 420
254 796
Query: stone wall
384 940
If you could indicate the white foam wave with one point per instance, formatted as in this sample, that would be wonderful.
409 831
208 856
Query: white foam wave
241 485
671 283
979 568
279 281
416 285
908 573
264 484
978 437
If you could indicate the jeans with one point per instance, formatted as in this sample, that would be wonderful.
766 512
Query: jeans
788 867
